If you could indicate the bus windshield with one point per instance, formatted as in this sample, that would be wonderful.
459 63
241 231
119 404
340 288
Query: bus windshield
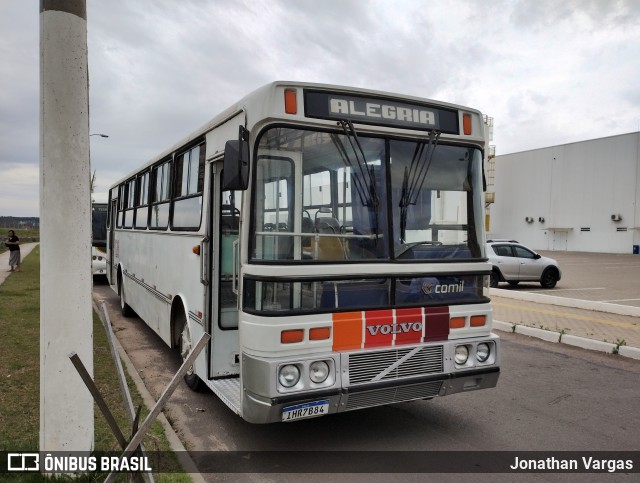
99 224
322 196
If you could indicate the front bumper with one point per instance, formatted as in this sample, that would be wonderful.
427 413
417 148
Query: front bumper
344 396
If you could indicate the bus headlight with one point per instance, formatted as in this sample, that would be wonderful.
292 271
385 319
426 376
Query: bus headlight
462 354
318 371
482 352
289 375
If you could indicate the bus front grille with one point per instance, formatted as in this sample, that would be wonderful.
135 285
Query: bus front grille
391 395
368 367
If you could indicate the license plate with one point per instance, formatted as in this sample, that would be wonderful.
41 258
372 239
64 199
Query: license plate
306 410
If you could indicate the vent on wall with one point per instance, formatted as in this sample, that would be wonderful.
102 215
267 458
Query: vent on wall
585 229
621 228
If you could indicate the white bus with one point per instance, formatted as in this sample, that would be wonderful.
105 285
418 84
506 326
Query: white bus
331 242
98 239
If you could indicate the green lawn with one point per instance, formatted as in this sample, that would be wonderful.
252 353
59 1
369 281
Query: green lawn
20 380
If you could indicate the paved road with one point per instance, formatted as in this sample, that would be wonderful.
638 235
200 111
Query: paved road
549 397
598 299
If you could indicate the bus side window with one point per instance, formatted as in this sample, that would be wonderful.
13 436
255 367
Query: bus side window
129 213
122 190
189 182
160 182
142 201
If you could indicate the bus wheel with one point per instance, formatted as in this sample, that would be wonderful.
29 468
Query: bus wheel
124 307
190 377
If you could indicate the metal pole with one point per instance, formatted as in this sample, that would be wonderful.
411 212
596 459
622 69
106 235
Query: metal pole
66 407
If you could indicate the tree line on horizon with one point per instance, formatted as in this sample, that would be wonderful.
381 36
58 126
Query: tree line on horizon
19 222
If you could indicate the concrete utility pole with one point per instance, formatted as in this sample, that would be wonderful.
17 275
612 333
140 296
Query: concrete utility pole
66 326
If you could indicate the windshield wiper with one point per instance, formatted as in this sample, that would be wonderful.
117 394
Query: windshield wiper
367 193
361 190
365 170
414 177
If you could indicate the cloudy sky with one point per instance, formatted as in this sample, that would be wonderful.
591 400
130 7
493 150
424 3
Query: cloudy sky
548 72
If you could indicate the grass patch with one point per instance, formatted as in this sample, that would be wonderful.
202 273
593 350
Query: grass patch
20 379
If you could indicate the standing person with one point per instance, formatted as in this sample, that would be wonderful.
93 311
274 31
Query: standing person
13 242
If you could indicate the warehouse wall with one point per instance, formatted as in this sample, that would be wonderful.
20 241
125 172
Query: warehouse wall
563 197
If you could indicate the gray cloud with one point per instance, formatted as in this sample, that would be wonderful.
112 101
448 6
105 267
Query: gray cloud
548 72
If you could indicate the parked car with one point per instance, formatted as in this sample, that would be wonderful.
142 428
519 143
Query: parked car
514 263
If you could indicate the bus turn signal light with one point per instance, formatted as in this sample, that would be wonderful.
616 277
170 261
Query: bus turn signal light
478 320
320 333
196 249
290 101
291 336
457 322
466 124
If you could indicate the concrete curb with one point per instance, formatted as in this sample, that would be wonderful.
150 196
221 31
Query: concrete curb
566 302
632 352
594 345
548 335
572 340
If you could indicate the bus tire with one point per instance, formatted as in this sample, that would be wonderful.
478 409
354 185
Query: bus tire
125 309
185 346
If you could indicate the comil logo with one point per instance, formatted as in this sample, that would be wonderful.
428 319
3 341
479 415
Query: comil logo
429 288
23 462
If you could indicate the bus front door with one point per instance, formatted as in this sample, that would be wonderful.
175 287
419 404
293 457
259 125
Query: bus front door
111 266
225 238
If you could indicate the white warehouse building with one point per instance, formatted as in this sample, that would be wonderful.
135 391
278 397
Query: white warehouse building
581 196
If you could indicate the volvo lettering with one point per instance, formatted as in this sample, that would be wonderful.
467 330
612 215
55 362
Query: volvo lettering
395 328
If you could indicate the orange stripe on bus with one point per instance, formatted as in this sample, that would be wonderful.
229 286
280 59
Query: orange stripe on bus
347 331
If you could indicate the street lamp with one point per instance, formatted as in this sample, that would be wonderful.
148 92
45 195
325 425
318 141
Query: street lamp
98 134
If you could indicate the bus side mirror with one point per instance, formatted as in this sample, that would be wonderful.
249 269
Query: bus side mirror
235 169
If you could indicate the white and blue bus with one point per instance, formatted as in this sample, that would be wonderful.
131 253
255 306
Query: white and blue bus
329 239
99 239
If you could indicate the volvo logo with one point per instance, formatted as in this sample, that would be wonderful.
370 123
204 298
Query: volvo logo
401 328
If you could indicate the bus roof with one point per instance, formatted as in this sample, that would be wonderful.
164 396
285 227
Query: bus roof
257 100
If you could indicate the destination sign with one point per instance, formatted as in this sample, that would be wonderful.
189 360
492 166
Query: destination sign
379 111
